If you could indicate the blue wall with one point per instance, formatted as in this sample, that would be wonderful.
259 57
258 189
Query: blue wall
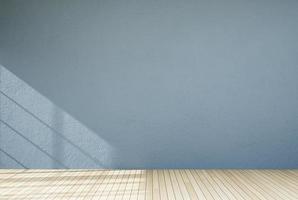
149 84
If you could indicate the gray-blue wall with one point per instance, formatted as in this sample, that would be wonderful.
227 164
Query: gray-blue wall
154 84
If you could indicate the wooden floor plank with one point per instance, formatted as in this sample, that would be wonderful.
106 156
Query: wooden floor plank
156 191
182 186
162 186
127 189
283 183
149 185
291 177
225 186
241 185
201 185
275 188
196 187
121 185
169 185
101 185
260 192
190 189
154 184
206 183
135 185
213 181
142 185
260 185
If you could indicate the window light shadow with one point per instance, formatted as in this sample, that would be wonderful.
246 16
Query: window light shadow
46 136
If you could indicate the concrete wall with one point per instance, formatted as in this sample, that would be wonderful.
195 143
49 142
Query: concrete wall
149 84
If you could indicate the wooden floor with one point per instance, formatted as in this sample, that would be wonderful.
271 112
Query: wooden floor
149 184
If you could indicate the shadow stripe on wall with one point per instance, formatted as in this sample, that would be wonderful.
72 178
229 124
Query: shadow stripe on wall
49 125
56 132
11 157
33 144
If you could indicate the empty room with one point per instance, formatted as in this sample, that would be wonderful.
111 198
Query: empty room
149 99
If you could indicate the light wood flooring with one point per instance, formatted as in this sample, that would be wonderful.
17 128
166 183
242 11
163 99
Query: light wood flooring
149 184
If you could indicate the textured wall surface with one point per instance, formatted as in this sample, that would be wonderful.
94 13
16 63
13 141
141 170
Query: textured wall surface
149 84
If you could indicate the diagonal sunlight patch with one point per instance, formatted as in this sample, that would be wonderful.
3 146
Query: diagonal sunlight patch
38 134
